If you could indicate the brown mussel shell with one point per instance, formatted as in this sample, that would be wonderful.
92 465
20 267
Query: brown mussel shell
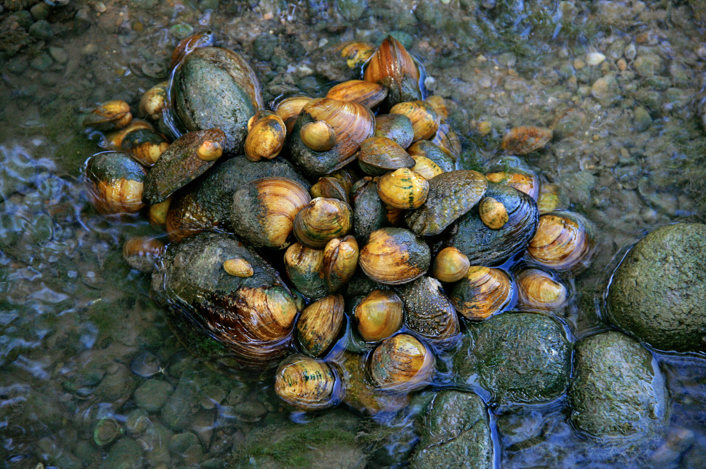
238 267
357 53
263 211
188 44
158 212
448 141
340 261
379 315
439 105
142 253
358 91
564 242
242 322
524 181
265 137
307 383
330 188
523 140
451 195
115 182
111 115
378 155
403 189
305 268
321 221
288 109
450 265
492 213
394 256
429 312
485 246
319 325
401 363
425 120
396 127
184 160
393 67
482 292
549 199
540 290
145 145
351 122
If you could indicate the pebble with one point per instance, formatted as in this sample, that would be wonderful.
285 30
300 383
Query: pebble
152 394
701 51
41 62
59 55
181 30
41 30
630 52
648 64
622 65
208 5
24 18
40 11
595 58
579 64
605 90
17 65
89 49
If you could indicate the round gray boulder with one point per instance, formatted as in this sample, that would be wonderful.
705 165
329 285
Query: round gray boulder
658 293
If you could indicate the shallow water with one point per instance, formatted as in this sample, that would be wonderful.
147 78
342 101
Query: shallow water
80 339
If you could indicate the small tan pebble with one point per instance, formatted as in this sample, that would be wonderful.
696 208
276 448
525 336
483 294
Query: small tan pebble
238 267
622 65
579 64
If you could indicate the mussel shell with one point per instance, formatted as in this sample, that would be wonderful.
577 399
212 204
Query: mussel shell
394 256
378 155
379 315
450 265
307 383
403 189
364 92
540 290
111 115
448 141
265 138
549 198
435 153
289 109
154 101
321 221
522 180
180 164
243 323
451 195
319 325
331 188
115 182
396 127
215 88
523 140
361 395
426 167
340 261
305 268
564 242
485 246
369 213
425 120
145 145
393 67
142 252
401 363
429 312
482 292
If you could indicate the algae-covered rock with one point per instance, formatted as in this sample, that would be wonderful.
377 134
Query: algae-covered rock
456 433
516 357
618 390
658 293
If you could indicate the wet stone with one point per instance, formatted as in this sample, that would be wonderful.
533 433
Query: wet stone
24 18
124 454
264 46
641 119
351 10
181 30
176 411
647 64
41 30
40 11
17 65
137 422
152 394
59 55
606 90
250 411
41 62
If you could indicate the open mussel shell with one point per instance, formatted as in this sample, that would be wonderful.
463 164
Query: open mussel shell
321 221
401 363
379 315
184 160
305 268
307 383
486 246
351 122
206 202
111 115
214 87
378 155
429 312
369 212
540 290
482 292
435 153
450 265
319 325
142 252
263 211
393 67
403 189
564 242
396 127
367 93
451 195
340 261
241 322
265 136
425 120
394 256
115 182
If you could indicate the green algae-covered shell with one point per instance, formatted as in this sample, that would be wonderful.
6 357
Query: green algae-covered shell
242 322
215 88
485 246
450 196
369 213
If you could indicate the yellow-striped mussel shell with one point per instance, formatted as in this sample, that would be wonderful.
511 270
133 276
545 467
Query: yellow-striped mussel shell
426 167
330 188
364 92
111 115
403 189
115 139
307 383
448 140
428 311
378 155
340 261
142 252
379 315
432 151
523 140
564 242
396 127
305 269
115 182
265 136
401 363
540 290
492 213
394 256
425 120
482 292
140 140
525 181
154 101
321 221
263 210
288 109
319 325
439 105
450 265
347 177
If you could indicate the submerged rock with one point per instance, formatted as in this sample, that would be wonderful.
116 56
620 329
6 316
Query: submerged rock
658 293
618 390
516 357
456 433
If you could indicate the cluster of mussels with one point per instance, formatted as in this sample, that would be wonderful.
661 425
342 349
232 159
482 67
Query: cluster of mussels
437 242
